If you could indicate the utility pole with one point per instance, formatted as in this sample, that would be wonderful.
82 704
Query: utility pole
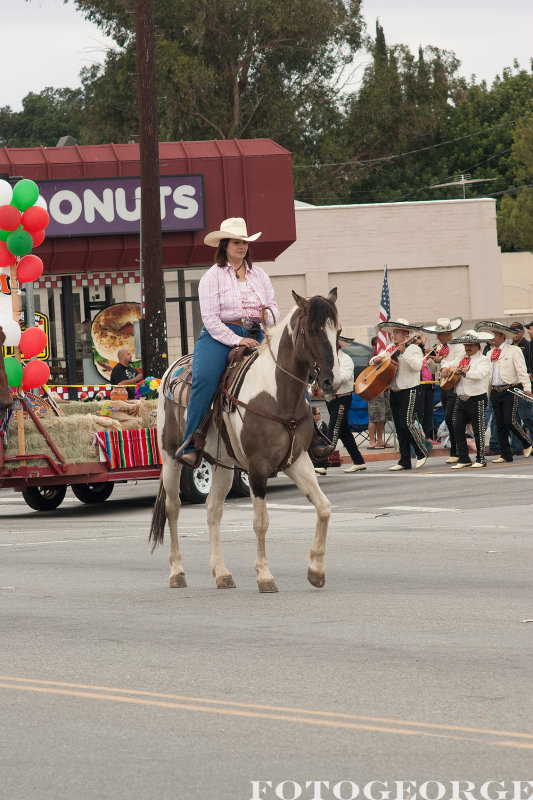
153 333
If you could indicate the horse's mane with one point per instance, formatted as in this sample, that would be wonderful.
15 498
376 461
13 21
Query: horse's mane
321 311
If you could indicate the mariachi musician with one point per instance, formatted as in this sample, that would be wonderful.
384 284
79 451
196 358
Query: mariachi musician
445 352
404 387
471 391
509 371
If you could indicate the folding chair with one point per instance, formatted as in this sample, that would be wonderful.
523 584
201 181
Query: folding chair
358 419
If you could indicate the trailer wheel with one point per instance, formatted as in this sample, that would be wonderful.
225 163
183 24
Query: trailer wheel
241 484
195 484
44 498
93 492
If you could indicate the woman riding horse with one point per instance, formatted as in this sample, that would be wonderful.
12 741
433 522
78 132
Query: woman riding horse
236 298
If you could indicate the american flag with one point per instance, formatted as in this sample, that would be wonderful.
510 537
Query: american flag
384 313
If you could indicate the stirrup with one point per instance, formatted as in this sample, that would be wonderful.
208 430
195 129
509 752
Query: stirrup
178 455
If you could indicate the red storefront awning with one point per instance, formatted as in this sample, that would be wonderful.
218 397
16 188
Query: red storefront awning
250 178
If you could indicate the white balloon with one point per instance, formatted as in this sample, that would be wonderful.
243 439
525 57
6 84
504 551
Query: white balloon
12 332
6 193
41 202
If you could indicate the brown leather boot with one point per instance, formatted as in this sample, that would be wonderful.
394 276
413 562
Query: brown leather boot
320 447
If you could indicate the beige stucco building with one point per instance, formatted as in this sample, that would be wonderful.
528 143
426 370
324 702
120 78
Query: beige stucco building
443 259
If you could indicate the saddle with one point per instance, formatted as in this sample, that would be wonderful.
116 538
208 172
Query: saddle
178 385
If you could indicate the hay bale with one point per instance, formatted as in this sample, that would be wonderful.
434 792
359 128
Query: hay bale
73 436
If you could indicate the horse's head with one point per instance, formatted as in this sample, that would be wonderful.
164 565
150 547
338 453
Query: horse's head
318 327
5 397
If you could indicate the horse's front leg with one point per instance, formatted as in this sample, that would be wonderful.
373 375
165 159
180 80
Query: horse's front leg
303 474
222 480
265 579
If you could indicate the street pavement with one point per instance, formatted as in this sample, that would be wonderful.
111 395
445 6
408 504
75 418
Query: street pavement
412 664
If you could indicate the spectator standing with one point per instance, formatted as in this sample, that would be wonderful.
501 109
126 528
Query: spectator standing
378 412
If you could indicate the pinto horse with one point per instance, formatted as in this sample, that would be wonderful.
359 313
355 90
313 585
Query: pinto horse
6 401
271 429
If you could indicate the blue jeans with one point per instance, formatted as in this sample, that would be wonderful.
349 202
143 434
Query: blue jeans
210 358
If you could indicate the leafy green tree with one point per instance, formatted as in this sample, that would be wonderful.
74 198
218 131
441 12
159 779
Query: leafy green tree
225 68
44 118
515 218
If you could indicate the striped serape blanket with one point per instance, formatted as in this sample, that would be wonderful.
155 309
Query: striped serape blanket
134 448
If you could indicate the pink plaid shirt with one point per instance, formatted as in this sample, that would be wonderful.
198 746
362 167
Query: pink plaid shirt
221 300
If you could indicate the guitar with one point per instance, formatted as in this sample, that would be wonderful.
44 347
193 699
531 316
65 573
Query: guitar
451 379
376 378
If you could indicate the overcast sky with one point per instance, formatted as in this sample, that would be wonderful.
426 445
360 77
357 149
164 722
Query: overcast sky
46 43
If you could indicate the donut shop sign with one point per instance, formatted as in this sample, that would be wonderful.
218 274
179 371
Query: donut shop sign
97 207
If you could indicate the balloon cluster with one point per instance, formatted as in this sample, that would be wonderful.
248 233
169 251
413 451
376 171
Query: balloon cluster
23 219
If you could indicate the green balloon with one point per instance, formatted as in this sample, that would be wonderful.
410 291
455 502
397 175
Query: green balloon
19 242
13 372
25 194
4 235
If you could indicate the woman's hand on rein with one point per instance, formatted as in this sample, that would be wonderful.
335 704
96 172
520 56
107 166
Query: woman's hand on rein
245 342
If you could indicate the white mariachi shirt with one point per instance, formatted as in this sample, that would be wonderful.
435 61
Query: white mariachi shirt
409 366
476 380
456 351
510 367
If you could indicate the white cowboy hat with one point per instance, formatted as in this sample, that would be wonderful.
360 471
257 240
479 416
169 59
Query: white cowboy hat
399 324
232 228
473 337
444 325
495 327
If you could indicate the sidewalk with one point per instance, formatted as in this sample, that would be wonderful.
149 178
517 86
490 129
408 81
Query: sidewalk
389 454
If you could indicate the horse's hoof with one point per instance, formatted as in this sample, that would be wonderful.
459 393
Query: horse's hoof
226 582
267 586
177 581
315 578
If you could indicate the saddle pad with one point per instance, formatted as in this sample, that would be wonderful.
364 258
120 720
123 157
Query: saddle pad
179 381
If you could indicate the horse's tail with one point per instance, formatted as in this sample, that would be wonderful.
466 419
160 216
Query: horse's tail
159 517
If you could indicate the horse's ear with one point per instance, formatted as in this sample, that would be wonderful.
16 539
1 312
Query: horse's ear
301 302
333 295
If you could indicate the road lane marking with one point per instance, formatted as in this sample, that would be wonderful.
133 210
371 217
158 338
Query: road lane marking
261 711
429 509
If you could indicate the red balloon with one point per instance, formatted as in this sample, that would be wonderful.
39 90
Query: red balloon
35 374
32 342
37 236
29 269
6 258
10 218
35 218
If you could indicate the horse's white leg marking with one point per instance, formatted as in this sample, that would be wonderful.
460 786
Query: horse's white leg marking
222 480
303 474
265 579
171 471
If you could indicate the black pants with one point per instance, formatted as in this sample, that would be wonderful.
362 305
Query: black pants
470 411
504 406
339 428
402 404
448 400
424 408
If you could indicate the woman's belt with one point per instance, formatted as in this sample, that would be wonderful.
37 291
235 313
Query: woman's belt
238 322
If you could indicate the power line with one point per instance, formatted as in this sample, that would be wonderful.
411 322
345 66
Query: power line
368 162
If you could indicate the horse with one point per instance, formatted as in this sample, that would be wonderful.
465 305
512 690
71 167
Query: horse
272 433
6 401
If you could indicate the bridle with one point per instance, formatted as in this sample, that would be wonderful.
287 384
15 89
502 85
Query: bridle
315 369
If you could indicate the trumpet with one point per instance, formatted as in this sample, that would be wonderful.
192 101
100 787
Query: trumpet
522 395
